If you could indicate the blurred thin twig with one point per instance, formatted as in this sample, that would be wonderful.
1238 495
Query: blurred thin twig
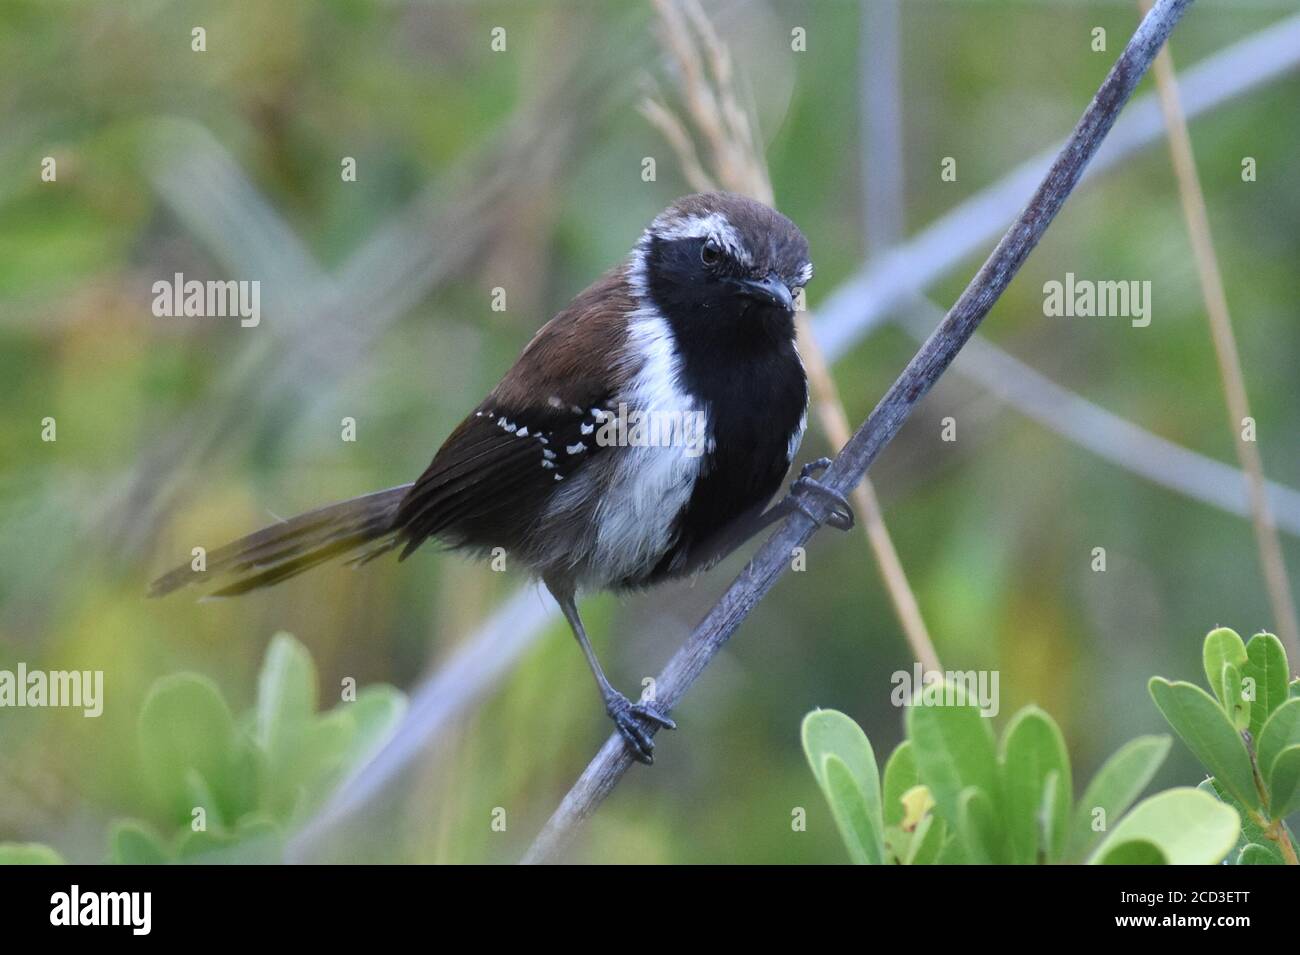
1109 436
1225 350
880 99
934 357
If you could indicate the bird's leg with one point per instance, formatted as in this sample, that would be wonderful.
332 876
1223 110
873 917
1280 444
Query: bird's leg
726 542
629 717
841 518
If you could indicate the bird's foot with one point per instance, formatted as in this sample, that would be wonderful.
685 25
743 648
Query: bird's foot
632 719
841 518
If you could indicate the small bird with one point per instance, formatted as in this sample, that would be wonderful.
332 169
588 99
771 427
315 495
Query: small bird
638 438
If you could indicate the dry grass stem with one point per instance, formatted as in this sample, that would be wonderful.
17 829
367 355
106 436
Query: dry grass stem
1192 197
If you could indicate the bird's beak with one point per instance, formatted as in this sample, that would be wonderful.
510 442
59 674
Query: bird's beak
769 290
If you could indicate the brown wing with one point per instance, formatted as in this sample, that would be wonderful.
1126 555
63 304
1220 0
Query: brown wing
496 472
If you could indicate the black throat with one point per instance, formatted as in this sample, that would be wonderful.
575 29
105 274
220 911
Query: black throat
738 360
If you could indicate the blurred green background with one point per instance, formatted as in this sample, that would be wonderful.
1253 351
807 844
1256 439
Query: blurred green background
522 170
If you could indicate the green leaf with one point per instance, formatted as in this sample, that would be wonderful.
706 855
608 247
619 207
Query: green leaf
133 843
1284 783
286 696
850 812
954 749
187 738
1255 854
1188 826
1134 852
28 853
191 845
845 768
199 794
256 840
918 834
1267 669
1118 782
1281 730
1250 830
1033 751
375 713
977 826
927 841
900 776
261 841
1222 645
1053 818
1203 726
303 776
951 852
1233 694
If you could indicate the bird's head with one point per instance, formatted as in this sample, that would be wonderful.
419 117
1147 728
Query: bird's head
722 269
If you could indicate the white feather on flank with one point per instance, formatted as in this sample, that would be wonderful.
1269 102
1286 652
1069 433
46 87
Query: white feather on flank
646 487
650 485
796 436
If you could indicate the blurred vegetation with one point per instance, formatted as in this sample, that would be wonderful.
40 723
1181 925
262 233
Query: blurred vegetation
995 530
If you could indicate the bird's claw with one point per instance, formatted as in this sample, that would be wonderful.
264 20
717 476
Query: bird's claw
631 719
841 518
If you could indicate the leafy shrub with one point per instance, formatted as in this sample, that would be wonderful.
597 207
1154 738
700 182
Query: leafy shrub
1247 735
228 789
952 794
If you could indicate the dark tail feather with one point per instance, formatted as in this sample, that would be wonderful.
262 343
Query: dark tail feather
363 527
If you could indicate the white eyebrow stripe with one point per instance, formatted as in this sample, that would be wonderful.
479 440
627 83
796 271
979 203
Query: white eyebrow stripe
714 226
805 273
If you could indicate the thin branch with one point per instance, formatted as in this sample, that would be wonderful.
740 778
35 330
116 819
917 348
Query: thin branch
1225 350
762 573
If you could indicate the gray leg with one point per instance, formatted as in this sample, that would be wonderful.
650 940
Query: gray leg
841 518
629 717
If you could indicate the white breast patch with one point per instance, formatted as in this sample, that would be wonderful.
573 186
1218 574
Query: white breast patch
649 486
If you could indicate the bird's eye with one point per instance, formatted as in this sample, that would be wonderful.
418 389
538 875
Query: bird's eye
710 253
